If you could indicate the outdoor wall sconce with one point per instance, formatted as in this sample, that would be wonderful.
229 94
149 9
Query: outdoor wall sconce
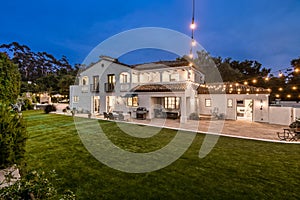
261 104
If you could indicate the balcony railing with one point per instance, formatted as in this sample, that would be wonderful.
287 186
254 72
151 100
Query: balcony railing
109 87
84 88
94 88
124 87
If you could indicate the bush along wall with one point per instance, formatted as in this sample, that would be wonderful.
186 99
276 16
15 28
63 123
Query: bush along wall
13 136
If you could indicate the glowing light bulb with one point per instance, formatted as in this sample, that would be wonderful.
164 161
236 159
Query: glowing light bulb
193 25
280 74
245 83
254 81
277 95
294 88
297 70
289 96
280 89
191 55
267 78
194 43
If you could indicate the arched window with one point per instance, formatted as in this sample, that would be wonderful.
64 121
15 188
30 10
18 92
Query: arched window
124 77
85 80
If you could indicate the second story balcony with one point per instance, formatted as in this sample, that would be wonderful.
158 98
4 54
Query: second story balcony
94 87
109 87
84 88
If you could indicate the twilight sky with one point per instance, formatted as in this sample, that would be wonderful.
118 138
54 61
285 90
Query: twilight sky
264 30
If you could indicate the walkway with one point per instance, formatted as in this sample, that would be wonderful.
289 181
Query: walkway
230 128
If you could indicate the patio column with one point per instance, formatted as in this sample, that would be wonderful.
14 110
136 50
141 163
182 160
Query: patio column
183 117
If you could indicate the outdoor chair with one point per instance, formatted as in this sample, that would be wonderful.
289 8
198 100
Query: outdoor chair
106 116
111 116
288 134
121 116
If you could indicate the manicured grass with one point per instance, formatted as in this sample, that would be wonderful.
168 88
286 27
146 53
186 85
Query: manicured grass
235 168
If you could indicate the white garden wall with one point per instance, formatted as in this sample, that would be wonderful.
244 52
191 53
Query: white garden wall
280 115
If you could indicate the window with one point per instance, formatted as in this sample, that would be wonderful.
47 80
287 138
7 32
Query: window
229 103
75 99
95 86
207 102
172 103
240 102
132 101
124 78
111 78
85 80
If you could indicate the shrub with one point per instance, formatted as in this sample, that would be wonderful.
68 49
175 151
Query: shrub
27 105
13 136
50 108
35 185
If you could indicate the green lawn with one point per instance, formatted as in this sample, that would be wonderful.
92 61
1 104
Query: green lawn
235 169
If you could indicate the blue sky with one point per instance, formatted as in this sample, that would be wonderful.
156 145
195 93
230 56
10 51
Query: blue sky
263 30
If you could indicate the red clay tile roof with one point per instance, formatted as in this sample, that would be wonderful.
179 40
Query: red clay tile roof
163 87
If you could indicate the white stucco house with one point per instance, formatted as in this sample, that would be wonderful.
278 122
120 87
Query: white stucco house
172 89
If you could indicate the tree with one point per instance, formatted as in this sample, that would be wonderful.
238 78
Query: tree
40 71
9 79
228 73
64 84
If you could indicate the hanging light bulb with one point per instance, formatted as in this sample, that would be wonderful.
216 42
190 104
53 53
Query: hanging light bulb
267 78
297 70
193 25
280 89
245 83
277 95
254 81
280 74
194 42
294 88
289 96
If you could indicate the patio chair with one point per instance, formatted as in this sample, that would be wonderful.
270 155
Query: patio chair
111 116
121 116
106 116
288 135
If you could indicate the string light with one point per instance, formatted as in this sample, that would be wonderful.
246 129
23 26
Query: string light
194 42
246 82
193 27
